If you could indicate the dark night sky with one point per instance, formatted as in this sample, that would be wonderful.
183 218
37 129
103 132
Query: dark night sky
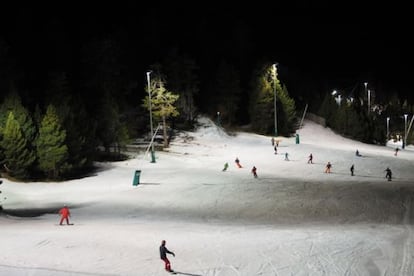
338 46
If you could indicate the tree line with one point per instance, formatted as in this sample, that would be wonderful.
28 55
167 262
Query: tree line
350 115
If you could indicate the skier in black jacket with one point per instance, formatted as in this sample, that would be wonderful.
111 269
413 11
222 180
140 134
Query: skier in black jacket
388 174
163 256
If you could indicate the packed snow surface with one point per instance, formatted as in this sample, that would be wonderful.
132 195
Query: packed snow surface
294 219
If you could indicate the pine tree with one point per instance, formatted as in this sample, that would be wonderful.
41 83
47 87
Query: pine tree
51 148
265 84
111 131
260 109
287 120
162 104
12 103
77 126
18 159
72 115
328 109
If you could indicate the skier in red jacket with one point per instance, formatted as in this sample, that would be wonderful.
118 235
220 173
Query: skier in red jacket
64 215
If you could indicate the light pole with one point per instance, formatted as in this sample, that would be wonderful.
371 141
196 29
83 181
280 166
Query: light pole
369 100
150 110
366 84
274 88
388 128
405 131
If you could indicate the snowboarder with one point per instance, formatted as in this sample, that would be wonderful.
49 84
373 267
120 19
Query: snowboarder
310 159
396 151
163 256
352 170
286 156
254 172
238 162
64 215
226 165
388 174
328 167
357 153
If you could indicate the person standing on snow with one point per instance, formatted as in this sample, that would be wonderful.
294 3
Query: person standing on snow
237 162
254 172
310 159
163 255
64 215
396 151
388 174
286 156
352 170
226 165
273 141
328 167
275 149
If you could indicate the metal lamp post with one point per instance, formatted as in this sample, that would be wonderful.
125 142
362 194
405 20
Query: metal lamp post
150 109
405 131
274 103
366 91
388 128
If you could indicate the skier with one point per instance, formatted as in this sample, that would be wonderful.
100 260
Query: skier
396 151
328 167
352 170
275 149
357 153
388 174
64 215
286 156
226 165
163 256
273 141
310 160
254 172
237 162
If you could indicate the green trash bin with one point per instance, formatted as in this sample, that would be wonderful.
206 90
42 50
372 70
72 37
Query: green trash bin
297 138
136 177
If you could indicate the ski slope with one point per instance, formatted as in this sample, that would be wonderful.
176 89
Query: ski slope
294 219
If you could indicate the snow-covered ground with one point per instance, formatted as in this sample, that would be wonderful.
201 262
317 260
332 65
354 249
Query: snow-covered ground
294 219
